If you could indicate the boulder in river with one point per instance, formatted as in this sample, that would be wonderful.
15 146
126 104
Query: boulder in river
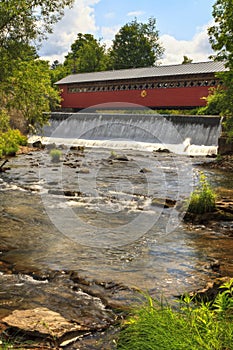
42 322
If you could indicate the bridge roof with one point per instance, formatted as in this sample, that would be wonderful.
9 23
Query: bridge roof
148 72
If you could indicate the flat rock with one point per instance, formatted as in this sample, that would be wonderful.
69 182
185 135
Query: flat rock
41 321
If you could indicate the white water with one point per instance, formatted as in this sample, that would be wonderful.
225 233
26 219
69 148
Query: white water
180 134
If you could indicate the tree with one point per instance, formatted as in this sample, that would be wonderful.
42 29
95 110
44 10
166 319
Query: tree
11 55
57 72
221 33
221 39
186 60
136 45
87 55
25 81
29 92
26 20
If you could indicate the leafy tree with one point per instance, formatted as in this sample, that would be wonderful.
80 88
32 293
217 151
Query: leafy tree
220 36
214 102
29 91
57 71
25 20
186 60
25 81
136 45
87 55
221 33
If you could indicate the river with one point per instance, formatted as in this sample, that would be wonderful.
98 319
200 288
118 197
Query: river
101 213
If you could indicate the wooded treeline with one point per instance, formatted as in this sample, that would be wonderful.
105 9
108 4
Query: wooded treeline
27 90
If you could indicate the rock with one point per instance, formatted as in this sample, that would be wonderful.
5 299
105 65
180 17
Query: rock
210 291
145 170
119 157
42 322
77 148
211 155
226 205
38 144
83 171
67 193
223 212
62 147
163 202
162 150
51 146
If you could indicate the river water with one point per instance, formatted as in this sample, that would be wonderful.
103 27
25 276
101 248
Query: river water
109 214
99 216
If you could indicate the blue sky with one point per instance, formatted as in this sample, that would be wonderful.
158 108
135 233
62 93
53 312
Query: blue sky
182 25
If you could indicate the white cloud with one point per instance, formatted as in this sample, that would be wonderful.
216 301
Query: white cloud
135 13
79 19
198 49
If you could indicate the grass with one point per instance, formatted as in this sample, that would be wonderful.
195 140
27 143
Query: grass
155 326
203 198
55 155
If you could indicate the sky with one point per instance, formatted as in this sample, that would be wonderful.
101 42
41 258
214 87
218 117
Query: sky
182 26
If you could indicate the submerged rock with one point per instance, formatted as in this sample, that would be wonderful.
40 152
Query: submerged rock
145 170
119 157
163 202
162 150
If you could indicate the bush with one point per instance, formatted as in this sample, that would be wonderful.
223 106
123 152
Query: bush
190 327
203 198
55 155
10 142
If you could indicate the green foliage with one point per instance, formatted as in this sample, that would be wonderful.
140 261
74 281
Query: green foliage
220 36
55 155
157 326
203 198
10 142
25 81
24 20
29 91
136 45
58 71
87 55
214 102
186 60
4 120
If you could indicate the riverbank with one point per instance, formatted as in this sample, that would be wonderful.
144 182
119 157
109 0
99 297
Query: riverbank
224 163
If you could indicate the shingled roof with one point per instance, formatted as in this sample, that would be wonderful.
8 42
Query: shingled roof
148 72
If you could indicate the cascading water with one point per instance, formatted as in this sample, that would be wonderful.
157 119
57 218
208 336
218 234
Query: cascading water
180 134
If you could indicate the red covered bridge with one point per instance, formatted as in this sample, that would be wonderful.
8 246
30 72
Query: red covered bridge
172 86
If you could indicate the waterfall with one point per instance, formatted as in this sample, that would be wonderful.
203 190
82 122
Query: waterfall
192 132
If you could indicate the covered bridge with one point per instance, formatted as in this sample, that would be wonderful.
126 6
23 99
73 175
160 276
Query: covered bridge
172 86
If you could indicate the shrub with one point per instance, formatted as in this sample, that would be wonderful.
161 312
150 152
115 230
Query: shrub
203 198
189 327
10 142
55 155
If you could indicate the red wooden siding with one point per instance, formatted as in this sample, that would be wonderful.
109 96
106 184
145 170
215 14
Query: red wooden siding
155 98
